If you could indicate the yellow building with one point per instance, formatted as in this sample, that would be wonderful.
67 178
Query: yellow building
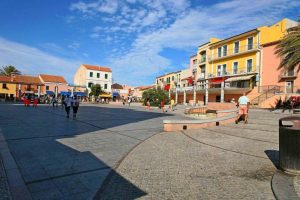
172 79
227 68
7 90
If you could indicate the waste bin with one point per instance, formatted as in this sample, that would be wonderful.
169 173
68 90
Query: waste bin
289 144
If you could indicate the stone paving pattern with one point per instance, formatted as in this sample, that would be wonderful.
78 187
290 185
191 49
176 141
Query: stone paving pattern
230 162
61 158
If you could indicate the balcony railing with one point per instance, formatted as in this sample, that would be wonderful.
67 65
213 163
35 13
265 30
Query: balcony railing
233 52
288 75
202 60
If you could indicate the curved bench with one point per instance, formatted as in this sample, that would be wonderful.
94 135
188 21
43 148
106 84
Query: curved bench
223 117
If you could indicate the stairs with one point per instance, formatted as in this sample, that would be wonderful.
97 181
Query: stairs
268 93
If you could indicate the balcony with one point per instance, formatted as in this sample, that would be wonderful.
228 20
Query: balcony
234 52
201 76
289 75
202 60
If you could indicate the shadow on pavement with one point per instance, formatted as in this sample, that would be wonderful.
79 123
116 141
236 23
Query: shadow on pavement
61 158
273 156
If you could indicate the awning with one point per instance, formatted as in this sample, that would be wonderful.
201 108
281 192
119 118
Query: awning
50 92
65 93
105 95
81 94
116 94
217 80
239 78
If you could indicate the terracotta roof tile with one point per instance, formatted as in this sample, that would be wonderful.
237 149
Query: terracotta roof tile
5 79
145 87
97 68
53 79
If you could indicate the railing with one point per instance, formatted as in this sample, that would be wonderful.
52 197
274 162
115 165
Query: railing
233 52
271 90
202 60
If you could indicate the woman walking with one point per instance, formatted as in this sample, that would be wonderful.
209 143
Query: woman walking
75 106
68 102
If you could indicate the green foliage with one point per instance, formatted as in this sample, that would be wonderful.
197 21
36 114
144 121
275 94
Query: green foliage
155 96
9 70
289 49
96 90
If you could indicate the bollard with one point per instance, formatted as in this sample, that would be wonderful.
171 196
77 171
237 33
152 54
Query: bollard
289 144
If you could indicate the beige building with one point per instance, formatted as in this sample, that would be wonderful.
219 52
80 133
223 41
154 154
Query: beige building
88 75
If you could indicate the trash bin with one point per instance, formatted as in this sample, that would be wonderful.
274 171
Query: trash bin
289 144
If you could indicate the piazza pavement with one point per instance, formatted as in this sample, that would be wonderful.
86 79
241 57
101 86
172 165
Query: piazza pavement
121 152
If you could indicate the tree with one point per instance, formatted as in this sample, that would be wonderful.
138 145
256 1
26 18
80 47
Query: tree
96 90
9 70
289 49
155 96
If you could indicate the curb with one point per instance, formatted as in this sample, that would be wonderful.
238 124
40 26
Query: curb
283 186
17 187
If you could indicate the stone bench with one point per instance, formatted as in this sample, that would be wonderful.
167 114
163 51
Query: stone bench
223 117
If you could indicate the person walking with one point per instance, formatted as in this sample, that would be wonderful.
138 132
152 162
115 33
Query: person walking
35 102
68 102
129 101
75 106
162 105
243 104
172 104
148 105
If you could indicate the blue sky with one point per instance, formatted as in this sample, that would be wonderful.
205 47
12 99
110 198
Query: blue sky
138 39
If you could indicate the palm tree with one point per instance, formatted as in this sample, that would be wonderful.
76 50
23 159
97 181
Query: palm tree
9 70
289 49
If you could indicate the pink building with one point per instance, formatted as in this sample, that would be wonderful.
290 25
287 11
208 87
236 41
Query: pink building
53 84
289 81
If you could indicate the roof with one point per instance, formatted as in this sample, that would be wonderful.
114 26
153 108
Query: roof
96 68
168 74
5 79
187 78
116 86
203 44
232 37
27 80
146 87
22 79
53 79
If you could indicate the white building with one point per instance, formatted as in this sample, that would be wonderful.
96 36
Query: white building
89 75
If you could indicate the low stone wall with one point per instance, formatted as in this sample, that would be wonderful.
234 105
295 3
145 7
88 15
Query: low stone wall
223 117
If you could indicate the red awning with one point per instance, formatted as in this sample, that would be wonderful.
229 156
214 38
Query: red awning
217 80
167 87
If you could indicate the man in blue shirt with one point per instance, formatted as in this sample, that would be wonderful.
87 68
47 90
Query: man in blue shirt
243 108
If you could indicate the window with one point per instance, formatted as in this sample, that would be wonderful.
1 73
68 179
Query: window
98 75
47 87
224 50
219 70
249 65
250 43
4 86
90 84
91 74
235 67
105 86
219 52
106 76
236 47
172 78
224 70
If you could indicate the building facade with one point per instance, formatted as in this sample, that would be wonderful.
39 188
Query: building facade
227 68
88 75
53 84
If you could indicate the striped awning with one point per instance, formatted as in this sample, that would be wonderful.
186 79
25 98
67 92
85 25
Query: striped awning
239 78
105 95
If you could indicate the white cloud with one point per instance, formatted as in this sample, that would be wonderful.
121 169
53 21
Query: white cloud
190 30
30 60
74 45
104 6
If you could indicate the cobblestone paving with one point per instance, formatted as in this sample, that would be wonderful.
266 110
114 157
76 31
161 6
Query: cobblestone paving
4 193
231 162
